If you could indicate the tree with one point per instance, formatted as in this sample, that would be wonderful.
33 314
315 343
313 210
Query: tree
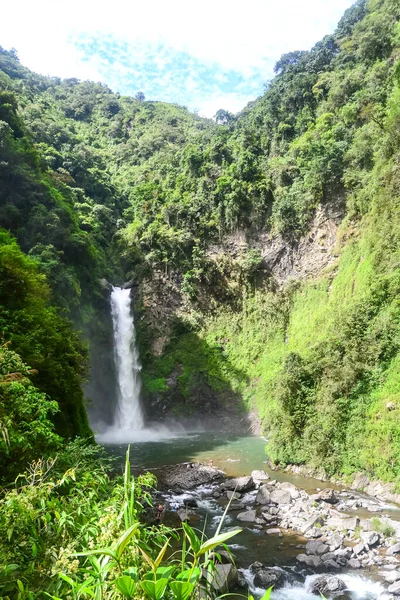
140 96
223 117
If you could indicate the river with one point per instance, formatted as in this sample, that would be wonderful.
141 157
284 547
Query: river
238 455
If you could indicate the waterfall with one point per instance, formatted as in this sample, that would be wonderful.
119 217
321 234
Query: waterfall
128 413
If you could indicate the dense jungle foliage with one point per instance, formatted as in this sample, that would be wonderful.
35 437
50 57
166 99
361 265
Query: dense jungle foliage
94 184
97 185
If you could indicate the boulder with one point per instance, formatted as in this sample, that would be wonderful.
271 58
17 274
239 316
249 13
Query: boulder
328 496
395 549
224 578
281 497
327 584
236 506
233 495
343 524
263 495
265 577
392 576
315 520
359 549
354 563
331 565
247 516
328 556
259 476
316 547
394 588
335 542
240 484
292 489
370 538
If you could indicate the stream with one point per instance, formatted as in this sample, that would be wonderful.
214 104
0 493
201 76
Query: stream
239 455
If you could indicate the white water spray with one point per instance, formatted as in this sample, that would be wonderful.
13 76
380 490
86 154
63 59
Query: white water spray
128 414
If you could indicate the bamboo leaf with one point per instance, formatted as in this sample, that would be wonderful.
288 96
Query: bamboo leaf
216 541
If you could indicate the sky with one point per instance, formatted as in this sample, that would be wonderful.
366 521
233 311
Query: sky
204 55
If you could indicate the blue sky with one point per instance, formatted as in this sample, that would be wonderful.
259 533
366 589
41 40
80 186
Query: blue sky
209 55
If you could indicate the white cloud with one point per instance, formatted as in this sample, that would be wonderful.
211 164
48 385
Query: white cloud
233 34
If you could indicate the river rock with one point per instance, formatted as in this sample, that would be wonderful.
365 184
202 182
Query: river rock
326 584
392 576
233 495
394 588
328 556
259 476
191 502
263 495
281 497
274 531
293 491
236 506
239 484
328 496
248 516
359 549
354 563
316 547
395 549
335 542
370 538
224 578
343 523
315 520
265 577
186 476
331 565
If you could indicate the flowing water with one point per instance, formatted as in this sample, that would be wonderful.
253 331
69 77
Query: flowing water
128 416
238 455
154 447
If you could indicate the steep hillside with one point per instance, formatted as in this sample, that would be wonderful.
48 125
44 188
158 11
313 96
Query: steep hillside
263 249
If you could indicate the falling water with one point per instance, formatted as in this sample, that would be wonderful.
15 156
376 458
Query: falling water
128 413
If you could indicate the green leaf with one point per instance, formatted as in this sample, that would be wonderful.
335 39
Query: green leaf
160 556
182 590
191 575
194 541
126 586
154 589
267 594
216 541
164 572
123 541
133 573
104 551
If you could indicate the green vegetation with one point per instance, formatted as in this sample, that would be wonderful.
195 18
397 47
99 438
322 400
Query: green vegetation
96 185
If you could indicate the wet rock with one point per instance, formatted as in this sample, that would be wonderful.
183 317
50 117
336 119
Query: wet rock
248 516
224 578
233 495
354 563
236 506
170 518
263 495
331 565
316 547
314 561
186 476
328 496
274 531
281 497
259 476
191 502
326 584
265 577
395 549
239 484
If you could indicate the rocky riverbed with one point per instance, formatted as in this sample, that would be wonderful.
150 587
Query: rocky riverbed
331 533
